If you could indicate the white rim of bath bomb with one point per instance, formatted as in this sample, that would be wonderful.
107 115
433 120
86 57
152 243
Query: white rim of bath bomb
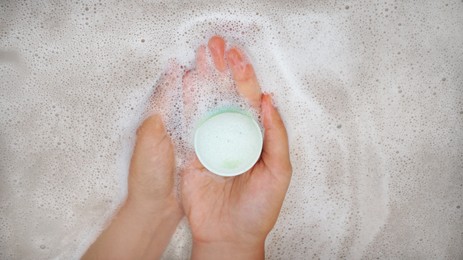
227 139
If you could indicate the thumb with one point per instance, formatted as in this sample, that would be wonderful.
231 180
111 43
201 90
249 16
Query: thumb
150 135
152 163
275 153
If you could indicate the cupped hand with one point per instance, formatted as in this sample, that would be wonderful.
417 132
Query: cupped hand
152 167
146 221
151 174
229 214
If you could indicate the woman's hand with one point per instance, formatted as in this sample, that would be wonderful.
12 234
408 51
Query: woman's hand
145 223
231 217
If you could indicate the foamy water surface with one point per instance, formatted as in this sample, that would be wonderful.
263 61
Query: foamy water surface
371 93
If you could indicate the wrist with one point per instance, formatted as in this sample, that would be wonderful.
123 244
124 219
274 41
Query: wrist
139 231
153 223
150 205
228 250
155 212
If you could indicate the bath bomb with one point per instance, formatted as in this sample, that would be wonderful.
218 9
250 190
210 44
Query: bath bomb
228 143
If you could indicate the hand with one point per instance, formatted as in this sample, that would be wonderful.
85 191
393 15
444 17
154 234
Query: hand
231 217
151 174
145 223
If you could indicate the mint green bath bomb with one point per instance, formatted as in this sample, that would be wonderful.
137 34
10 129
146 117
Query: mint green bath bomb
229 143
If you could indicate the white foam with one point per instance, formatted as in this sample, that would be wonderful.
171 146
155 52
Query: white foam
371 94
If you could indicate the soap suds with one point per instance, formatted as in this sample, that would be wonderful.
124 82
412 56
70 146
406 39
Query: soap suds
371 94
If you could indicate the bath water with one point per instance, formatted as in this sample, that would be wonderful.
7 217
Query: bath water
371 94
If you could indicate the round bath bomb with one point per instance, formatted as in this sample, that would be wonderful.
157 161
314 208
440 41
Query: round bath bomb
229 143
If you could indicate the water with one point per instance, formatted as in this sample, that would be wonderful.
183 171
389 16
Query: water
371 93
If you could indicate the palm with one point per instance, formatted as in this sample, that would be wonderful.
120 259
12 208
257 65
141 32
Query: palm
220 209
244 207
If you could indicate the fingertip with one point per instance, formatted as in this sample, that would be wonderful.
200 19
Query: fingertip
153 122
216 40
217 48
152 127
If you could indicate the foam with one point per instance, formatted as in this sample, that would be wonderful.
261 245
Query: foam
371 94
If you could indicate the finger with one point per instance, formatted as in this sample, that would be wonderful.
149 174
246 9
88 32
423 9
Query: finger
171 75
275 153
151 133
245 78
201 60
151 138
217 48
152 151
167 82
187 92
